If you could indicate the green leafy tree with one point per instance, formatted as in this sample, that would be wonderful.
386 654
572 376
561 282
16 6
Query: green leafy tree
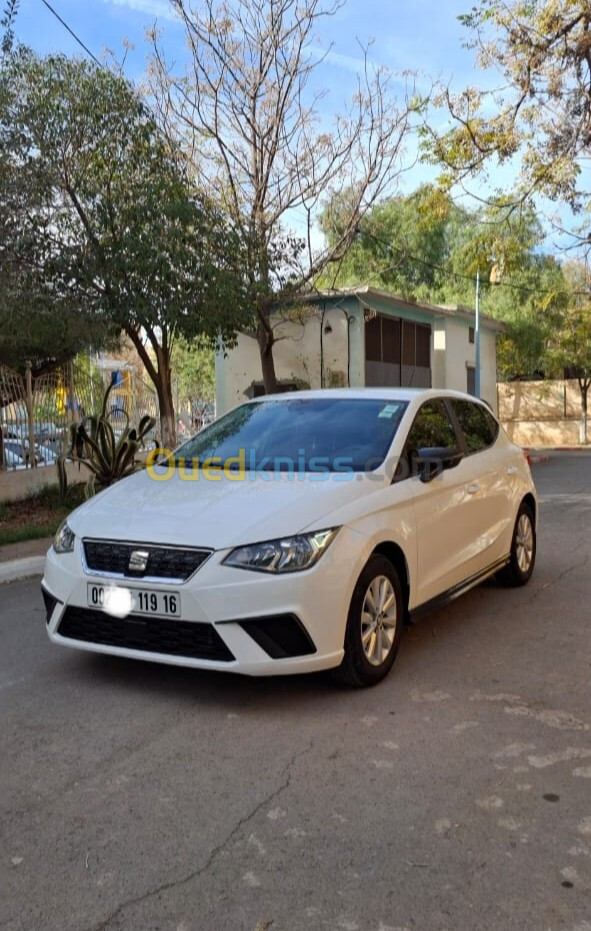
38 322
193 364
402 243
246 114
568 344
118 228
7 23
424 247
539 115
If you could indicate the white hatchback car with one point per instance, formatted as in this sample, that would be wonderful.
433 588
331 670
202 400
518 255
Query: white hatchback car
299 532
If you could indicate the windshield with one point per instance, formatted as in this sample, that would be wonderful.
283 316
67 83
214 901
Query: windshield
299 435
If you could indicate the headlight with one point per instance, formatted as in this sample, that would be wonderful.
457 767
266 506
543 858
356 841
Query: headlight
63 542
289 554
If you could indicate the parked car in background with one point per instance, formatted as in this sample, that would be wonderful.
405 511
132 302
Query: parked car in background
16 453
17 456
297 533
13 458
45 455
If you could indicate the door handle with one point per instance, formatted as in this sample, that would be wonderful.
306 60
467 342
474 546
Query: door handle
473 488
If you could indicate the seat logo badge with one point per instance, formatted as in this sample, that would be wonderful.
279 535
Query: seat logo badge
138 560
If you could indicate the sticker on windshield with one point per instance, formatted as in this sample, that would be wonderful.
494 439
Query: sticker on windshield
388 411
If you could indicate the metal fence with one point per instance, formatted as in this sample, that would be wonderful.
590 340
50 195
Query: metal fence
36 412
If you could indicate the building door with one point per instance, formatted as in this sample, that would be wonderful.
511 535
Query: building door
397 352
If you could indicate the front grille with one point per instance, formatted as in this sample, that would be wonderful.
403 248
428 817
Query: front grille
153 635
164 562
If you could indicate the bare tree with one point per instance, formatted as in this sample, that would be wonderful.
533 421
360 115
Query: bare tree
246 112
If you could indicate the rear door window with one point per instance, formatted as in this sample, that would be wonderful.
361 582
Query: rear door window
479 427
432 427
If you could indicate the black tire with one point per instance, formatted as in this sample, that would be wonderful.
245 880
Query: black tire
522 558
357 669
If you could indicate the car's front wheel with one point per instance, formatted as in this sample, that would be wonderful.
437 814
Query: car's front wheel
523 550
374 625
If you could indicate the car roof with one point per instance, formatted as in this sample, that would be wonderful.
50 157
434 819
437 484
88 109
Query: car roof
381 394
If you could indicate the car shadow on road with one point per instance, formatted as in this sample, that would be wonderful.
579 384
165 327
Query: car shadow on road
434 641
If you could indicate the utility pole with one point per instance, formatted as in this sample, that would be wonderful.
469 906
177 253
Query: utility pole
477 338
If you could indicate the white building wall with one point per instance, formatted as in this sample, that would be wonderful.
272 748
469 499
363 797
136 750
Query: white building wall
488 366
297 355
453 353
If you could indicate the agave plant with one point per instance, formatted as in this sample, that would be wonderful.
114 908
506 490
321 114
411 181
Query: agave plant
108 458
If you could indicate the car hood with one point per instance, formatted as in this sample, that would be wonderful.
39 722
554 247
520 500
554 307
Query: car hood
216 514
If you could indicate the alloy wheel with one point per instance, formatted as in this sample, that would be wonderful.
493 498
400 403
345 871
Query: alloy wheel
378 620
524 543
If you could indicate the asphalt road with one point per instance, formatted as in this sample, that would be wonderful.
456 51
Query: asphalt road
456 795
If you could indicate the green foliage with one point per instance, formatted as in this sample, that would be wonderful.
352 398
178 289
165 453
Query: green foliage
568 342
7 22
539 115
94 444
427 248
193 364
425 224
38 321
117 228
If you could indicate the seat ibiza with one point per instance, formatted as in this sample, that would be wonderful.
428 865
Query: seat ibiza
299 532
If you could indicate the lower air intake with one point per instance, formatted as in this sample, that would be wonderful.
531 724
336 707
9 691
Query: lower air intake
152 635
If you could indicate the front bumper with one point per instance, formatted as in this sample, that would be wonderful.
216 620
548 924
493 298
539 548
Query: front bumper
248 622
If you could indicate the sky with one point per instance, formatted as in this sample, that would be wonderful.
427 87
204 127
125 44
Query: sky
423 36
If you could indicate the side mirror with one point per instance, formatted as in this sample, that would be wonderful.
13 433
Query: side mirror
432 460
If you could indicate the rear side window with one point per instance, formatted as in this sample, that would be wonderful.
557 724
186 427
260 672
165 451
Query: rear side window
432 427
480 428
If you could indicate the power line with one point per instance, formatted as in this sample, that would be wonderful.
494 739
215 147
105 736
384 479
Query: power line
451 273
72 33
391 249
143 106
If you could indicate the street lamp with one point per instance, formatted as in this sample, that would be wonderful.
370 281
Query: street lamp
477 338
496 273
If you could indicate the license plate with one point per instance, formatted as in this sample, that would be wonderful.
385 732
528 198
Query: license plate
120 601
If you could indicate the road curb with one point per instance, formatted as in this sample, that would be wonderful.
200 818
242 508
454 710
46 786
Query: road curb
18 569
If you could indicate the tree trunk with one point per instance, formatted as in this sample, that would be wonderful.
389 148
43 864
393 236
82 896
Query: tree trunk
265 340
166 404
167 420
161 379
584 385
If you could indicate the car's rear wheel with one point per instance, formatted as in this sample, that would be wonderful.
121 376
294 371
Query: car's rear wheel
374 625
522 558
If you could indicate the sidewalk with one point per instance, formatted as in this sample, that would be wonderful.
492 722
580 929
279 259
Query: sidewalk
23 560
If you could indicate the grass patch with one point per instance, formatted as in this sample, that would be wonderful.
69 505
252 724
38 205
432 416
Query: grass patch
36 516
34 532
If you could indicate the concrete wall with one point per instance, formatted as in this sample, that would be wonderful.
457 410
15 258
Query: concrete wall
533 433
19 484
540 400
16 484
541 413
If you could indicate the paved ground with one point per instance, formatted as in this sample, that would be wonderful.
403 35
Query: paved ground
456 795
